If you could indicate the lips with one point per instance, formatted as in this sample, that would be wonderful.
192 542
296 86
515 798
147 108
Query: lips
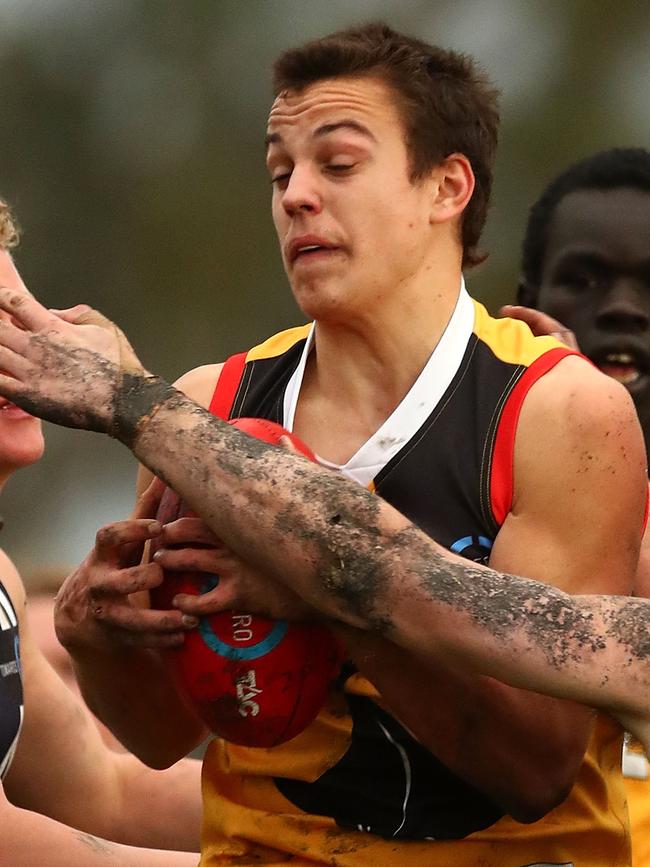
10 409
307 247
627 364
621 366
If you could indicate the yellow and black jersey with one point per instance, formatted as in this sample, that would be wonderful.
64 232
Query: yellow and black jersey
11 691
355 788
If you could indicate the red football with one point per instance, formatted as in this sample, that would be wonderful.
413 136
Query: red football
254 681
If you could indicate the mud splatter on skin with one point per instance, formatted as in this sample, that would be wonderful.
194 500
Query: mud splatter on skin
263 502
348 561
335 523
629 625
136 400
505 605
82 396
95 844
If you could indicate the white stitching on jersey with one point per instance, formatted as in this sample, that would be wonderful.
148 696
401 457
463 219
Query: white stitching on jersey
407 775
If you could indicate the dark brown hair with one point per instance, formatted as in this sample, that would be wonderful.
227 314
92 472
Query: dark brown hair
447 103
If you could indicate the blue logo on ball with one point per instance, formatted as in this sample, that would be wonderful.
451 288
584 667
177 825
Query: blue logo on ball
266 645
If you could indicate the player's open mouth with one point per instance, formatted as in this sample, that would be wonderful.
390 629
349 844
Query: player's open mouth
628 366
8 408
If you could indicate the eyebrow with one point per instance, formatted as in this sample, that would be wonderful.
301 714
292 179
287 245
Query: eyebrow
593 258
326 129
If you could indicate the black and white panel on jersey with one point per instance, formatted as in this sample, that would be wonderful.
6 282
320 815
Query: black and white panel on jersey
11 691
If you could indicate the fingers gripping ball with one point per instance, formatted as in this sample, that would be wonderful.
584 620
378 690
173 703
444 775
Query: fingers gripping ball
254 681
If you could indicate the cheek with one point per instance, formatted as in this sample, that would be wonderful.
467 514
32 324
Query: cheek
278 214
21 442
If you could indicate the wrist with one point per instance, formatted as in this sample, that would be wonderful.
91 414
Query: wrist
137 400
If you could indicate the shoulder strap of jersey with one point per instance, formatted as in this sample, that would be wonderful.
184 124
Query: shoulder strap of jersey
502 469
227 385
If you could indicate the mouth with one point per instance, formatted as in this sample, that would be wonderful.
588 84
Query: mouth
627 366
310 248
10 409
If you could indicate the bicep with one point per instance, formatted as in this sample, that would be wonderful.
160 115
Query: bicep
580 490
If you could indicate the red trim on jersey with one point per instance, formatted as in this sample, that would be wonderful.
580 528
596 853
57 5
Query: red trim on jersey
227 385
502 471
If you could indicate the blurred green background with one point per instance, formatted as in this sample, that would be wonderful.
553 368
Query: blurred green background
131 139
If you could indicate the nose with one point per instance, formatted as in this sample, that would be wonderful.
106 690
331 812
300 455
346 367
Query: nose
301 193
624 309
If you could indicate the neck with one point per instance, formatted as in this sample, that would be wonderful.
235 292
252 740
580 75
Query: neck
377 355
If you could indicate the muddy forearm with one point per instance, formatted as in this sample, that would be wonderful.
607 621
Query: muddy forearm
355 558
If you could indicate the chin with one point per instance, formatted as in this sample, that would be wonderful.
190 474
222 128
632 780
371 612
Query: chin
21 442
322 306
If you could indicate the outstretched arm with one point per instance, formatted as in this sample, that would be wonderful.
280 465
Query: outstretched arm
343 550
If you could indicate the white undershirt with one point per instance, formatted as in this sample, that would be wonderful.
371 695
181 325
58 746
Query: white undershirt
412 411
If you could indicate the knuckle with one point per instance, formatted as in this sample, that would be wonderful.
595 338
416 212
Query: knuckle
170 622
105 535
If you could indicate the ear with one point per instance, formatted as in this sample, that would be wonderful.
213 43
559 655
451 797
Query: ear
527 295
453 185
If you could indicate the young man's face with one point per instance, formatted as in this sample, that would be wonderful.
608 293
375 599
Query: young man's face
352 227
596 280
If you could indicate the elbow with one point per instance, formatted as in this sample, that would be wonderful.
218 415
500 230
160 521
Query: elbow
540 792
537 804
156 756
548 769
160 760
157 763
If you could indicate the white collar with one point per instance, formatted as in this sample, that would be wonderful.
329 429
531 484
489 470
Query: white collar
417 404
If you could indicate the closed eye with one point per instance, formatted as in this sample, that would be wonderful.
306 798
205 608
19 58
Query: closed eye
339 168
281 179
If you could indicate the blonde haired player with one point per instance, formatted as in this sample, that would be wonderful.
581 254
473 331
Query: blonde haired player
62 789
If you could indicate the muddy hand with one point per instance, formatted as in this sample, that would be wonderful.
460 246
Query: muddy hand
101 605
67 372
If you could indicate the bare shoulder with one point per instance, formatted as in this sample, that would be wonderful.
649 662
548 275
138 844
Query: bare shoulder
580 471
200 382
575 396
12 581
577 418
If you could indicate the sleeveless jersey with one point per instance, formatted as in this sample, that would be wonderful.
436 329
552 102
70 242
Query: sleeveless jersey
355 789
11 691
